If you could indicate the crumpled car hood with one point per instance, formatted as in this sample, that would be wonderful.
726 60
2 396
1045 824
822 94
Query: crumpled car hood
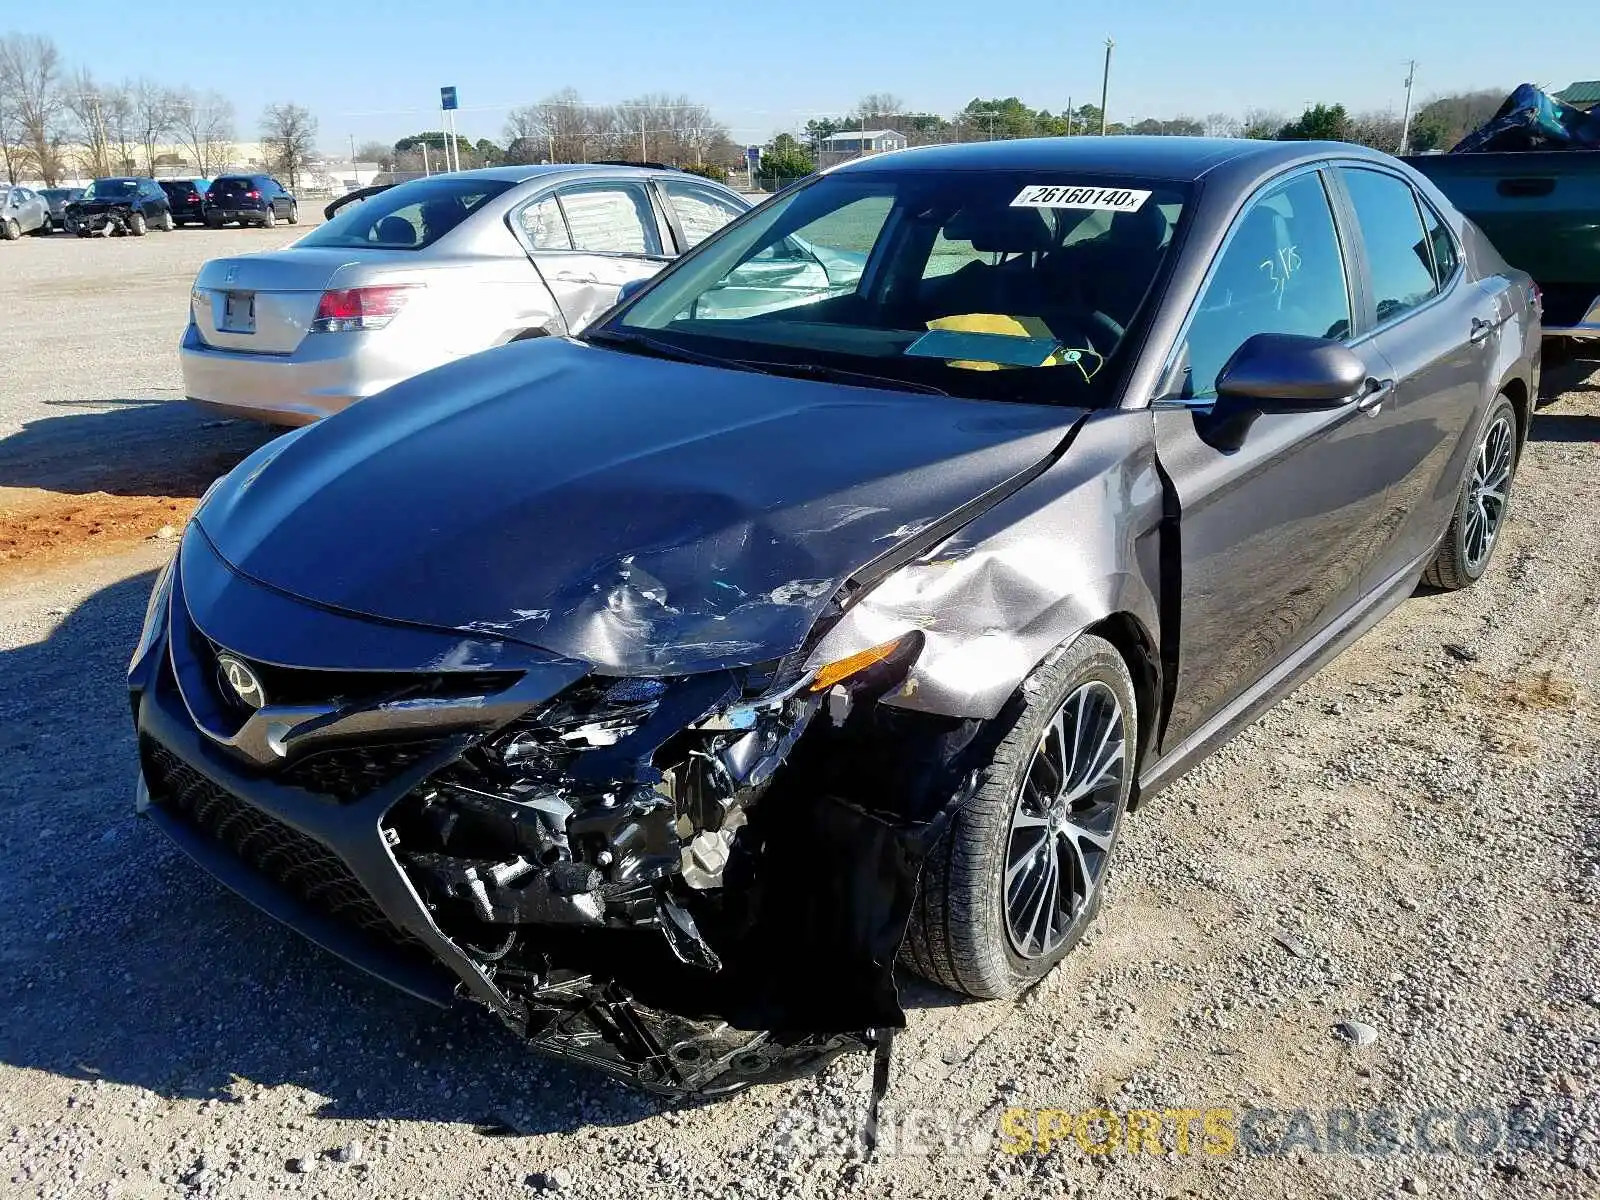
646 516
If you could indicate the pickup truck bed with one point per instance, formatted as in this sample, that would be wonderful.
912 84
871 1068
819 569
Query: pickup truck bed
1541 209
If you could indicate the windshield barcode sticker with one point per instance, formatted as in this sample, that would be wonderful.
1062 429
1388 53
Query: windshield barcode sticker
1066 195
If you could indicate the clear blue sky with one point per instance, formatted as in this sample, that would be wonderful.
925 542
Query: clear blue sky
762 67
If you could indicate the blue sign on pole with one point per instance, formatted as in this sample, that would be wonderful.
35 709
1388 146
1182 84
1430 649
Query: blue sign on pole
447 98
752 155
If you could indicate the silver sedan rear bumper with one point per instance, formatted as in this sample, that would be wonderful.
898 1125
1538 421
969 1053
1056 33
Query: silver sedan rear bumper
327 372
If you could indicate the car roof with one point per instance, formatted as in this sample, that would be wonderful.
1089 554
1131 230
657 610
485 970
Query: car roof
521 173
1151 157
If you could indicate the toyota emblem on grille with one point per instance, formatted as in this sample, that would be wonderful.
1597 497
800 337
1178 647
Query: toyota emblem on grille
241 681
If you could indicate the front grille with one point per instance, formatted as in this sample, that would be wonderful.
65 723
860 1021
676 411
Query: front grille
301 865
347 773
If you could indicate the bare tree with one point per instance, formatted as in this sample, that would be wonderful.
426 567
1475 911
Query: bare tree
376 152
10 123
155 106
1223 125
290 134
31 67
86 101
1262 124
562 128
1380 130
204 124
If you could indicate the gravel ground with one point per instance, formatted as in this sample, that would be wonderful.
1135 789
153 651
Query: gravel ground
1384 896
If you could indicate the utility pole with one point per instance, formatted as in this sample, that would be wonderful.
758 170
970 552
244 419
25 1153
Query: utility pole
1069 116
1105 86
1405 121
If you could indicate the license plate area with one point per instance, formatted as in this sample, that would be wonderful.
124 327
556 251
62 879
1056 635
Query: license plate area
238 312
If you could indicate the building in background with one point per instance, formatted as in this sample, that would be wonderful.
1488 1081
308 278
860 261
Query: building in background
839 147
1584 95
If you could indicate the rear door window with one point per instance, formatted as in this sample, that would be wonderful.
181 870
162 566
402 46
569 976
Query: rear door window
700 211
1399 258
611 218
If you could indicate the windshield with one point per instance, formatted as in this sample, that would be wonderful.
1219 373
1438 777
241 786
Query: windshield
408 217
970 282
111 189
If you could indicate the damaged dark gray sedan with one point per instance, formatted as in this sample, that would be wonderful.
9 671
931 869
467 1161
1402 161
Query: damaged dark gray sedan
830 603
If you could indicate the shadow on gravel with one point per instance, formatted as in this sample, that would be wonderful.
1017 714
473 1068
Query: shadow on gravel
140 448
1551 426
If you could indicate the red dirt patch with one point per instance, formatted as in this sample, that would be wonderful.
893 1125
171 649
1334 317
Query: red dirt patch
39 528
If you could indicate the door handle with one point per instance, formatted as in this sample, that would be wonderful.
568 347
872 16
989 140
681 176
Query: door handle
569 277
1378 390
1481 330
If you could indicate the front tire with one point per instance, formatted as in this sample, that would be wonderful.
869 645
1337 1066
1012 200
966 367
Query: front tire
1017 877
137 225
1481 505
167 223
9 230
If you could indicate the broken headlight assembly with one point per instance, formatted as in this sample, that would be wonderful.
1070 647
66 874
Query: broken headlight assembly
617 805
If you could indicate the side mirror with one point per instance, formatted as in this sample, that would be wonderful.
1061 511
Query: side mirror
1287 372
630 289
1280 373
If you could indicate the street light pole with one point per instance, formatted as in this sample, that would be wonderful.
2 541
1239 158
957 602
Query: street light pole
1405 121
1105 86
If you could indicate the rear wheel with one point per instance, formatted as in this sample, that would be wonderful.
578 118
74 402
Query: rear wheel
213 222
167 223
294 214
271 219
1481 507
9 230
1018 875
137 224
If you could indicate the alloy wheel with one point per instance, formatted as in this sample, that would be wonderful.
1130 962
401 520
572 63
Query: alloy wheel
1064 821
1486 492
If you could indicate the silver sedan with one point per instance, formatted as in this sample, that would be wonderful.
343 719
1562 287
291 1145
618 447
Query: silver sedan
22 210
431 271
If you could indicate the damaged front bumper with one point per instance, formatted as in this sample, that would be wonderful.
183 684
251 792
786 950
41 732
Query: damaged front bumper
660 879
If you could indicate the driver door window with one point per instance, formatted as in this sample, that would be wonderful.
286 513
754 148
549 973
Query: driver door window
1281 271
700 211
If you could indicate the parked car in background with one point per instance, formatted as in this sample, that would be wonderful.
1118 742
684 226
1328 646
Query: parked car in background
249 200
661 688
429 271
22 210
58 199
186 197
120 205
